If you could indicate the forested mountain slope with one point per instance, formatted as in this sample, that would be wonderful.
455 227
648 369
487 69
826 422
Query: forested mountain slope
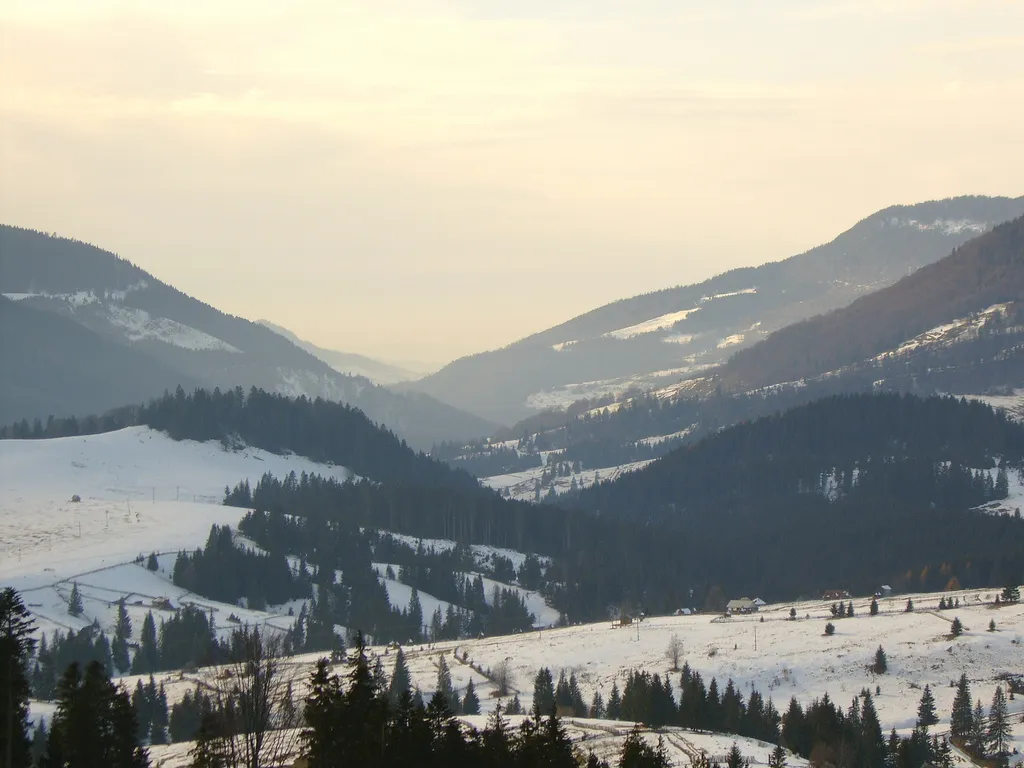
659 338
985 275
182 339
864 488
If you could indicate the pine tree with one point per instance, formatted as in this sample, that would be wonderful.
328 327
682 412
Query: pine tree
849 609
470 702
16 647
962 719
94 723
872 744
777 759
445 688
401 682
956 628
152 564
999 731
614 709
977 741
543 692
1011 593
147 659
926 709
596 707
122 634
992 625
734 758
75 607
873 609
881 665
910 606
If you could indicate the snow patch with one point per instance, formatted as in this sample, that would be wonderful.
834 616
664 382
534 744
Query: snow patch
659 323
139 325
731 341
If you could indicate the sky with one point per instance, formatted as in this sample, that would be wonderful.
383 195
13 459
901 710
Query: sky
426 179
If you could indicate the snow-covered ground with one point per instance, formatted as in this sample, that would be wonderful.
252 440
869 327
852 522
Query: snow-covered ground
958 330
142 492
783 658
659 323
522 485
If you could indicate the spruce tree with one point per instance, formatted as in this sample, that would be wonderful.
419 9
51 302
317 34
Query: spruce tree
94 723
614 709
926 716
977 741
1011 593
75 607
470 702
998 734
777 759
881 665
543 692
445 688
147 659
956 628
910 606
872 744
122 634
16 647
962 718
596 707
152 564
873 609
401 682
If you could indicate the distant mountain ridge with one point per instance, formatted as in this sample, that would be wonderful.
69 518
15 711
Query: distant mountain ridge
348 363
174 339
656 339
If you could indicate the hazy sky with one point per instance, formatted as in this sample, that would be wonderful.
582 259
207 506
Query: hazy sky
426 179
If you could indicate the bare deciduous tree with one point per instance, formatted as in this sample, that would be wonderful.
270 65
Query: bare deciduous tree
503 678
253 700
674 652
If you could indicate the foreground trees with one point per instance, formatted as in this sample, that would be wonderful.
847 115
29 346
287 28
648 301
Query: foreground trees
16 646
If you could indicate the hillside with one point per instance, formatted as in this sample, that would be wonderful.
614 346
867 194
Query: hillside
978 286
173 339
348 363
128 484
53 361
654 340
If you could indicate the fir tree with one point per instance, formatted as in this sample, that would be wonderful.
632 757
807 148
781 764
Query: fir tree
122 634
956 628
992 625
470 702
977 741
910 606
998 734
873 609
401 682
543 692
75 606
596 707
445 688
147 659
777 759
881 664
16 647
614 710
961 720
151 562
1011 593
926 716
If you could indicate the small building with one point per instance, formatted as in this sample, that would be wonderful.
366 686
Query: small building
886 590
683 612
759 603
741 605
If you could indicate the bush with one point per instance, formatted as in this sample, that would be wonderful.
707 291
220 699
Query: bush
830 629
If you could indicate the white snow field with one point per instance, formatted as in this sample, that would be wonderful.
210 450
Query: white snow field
791 658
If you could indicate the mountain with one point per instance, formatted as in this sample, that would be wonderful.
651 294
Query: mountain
348 363
168 338
659 338
957 323
53 360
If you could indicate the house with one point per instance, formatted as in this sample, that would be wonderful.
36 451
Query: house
759 603
741 605
886 590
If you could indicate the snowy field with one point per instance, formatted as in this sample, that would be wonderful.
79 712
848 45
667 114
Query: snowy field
790 658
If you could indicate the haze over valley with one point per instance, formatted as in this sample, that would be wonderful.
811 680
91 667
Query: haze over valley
512 384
